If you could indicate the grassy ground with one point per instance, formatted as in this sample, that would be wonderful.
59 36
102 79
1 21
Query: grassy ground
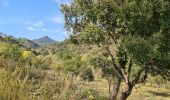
140 92
146 92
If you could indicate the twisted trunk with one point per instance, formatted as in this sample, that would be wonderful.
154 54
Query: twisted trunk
116 87
126 91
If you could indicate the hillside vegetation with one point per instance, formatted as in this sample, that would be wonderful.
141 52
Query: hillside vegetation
117 50
71 72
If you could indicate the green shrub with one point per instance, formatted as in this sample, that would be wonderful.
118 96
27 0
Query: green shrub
158 80
41 62
64 55
10 51
36 74
87 74
72 65
90 94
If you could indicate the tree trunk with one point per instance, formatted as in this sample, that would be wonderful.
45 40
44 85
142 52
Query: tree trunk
116 86
110 84
126 91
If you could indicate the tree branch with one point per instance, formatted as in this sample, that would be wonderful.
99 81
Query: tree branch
129 69
143 78
135 81
118 71
124 75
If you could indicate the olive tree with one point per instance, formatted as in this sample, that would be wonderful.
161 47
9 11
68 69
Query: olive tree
135 33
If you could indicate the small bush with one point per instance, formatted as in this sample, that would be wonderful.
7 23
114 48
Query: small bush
72 65
87 74
90 94
36 74
41 62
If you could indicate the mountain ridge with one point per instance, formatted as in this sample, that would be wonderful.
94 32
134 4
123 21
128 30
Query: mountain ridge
43 41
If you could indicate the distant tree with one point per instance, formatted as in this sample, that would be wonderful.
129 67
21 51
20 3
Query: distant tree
135 33
10 51
27 56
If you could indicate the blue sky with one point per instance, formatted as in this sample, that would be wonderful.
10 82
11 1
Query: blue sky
32 18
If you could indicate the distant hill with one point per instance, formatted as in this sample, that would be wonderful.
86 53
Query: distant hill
24 42
21 42
44 41
29 44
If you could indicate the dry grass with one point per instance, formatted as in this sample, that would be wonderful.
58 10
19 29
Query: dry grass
70 87
145 92
140 92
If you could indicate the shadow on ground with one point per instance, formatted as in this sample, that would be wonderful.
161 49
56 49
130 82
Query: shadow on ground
159 94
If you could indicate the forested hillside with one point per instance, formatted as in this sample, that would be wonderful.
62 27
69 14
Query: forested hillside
28 43
44 41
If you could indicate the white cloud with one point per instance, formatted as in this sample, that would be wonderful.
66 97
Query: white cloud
44 29
58 19
30 28
37 24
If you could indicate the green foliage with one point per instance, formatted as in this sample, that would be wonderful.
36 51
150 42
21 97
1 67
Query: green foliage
64 55
73 65
36 75
91 94
122 57
9 51
41 62
47 62
133 30
104 63
87 74
135 34
139 49
44 52
86 58
141 18
159 80
133 24
37 62
92 34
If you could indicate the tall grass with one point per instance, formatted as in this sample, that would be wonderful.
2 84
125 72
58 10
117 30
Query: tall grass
12 87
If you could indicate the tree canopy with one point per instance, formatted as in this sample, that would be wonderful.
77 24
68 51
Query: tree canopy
136 34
